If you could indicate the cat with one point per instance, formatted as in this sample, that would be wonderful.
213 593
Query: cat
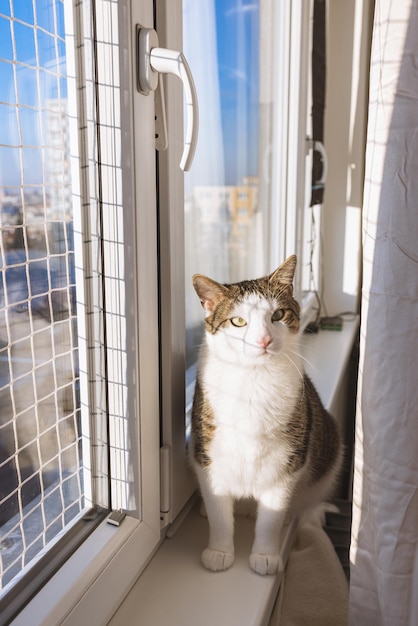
259 429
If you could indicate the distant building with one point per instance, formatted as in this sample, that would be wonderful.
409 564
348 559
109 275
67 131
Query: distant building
58 161
235 204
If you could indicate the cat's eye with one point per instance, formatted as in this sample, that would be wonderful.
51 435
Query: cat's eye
277 315
238 321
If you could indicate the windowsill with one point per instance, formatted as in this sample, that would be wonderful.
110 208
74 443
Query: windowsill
194 595
327 354
238 596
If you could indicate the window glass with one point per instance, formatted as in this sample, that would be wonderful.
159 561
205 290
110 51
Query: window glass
42 487
224 222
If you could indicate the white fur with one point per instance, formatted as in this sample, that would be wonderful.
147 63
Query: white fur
252 389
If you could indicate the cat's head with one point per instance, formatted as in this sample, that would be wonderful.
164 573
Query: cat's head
253 320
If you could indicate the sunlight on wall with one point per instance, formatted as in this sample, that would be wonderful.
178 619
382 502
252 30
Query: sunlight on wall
352 248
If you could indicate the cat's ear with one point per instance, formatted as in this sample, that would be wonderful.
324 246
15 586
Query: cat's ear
285 273
209 291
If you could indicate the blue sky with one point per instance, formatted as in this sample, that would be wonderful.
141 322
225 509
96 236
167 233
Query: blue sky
237 23
221 44
25 123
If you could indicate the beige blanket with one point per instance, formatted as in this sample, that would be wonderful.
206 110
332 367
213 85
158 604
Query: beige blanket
314 590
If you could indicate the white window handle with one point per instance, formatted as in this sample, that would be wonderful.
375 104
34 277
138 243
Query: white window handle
152 60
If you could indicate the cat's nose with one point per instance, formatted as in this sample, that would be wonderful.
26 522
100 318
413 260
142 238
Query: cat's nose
265 341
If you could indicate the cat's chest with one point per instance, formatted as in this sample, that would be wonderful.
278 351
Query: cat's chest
249 400
248 454
244 466
250 410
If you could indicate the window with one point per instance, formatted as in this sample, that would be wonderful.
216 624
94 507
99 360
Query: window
78 301
43 484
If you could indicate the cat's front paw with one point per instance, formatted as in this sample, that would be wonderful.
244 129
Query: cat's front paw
216 560
266 563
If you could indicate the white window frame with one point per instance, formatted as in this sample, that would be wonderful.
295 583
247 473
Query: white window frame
94 580
292 157
180 484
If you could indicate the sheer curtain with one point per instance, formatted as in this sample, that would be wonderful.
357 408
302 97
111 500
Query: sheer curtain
385 503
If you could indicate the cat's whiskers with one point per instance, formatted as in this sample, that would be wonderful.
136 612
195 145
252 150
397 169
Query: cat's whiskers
292 362
304 359
301 346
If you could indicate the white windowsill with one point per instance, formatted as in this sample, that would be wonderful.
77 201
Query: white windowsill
327 353
175 589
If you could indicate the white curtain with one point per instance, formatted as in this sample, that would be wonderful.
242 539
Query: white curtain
384 562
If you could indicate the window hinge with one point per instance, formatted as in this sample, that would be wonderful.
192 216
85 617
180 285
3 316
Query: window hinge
165 486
